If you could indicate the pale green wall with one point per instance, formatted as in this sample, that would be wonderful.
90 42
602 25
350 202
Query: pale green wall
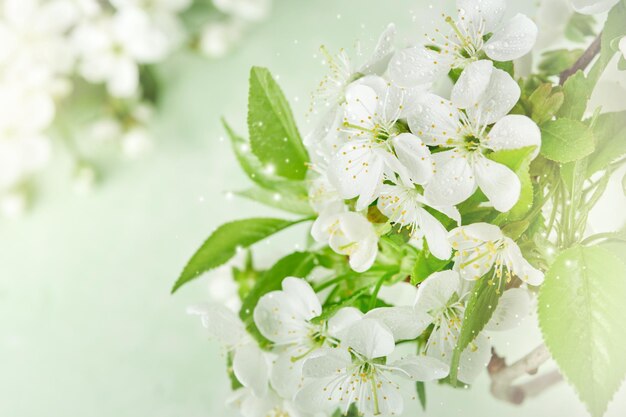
87 325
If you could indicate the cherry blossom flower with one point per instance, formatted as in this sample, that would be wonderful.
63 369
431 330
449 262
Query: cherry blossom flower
470 126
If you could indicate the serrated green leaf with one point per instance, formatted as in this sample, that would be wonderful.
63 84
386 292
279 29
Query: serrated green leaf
565 140
610 133
577 92
274 136
557 61
297 264
518 160
425 265
286 201
224 241
480 307
581 315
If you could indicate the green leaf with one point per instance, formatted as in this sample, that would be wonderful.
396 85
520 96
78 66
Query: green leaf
506 66
545 103
518 160
580 27
286 201
425 265
566 140
610 133
421 393
255 170
223 243
557 61
577 92
581 315
273 133
480 307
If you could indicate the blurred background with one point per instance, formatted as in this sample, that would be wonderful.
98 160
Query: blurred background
87 324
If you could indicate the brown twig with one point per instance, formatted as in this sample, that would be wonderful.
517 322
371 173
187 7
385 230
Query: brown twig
583 62
503 376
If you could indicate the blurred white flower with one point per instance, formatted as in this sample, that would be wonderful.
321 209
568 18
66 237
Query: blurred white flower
251 10
593 6
218 37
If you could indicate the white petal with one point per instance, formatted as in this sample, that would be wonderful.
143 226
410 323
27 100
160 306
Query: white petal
477 232
221 323
361 103
390 401
422 368
477 12
303 296
416 66
513 307
251 369
124 81
382 54
453 181
435 120
435 292
474 359
370 338
501 185
436 235
278 318
316 395
342 320
513 40
326 362
286 375
524 270
513 132
593 6
450 211
399 294
472 84
415 156
499 98
404 322
363 258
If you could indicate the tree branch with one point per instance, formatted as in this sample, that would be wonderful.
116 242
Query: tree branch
583 62
503 376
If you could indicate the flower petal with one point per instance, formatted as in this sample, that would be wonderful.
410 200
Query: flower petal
361 103
251 368
422 368
501 185
472 84
316 395
303 296
382 53
513 132
593 6
221 323
474 233
342 320
475 13
436 235
416 66
499 98
435 292
513 40
399 294
326 362
474 359
513 307
286 375
435 121
521 268
404 322
278 318
370 338
415 156
453 181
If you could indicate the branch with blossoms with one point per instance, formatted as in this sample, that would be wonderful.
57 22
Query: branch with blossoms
83 72
436 218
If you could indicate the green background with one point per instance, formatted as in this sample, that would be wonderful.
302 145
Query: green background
87 325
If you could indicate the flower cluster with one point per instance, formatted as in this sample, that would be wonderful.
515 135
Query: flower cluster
56 54
437 215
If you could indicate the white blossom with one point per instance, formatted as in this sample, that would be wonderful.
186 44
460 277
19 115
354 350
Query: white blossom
482 247
357 373
465 42
472 124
